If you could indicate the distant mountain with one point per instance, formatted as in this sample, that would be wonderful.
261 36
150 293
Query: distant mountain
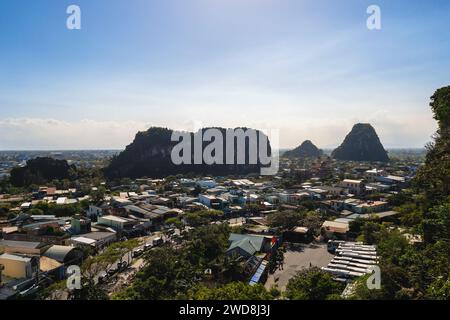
306 150
42 170
149 155
361 144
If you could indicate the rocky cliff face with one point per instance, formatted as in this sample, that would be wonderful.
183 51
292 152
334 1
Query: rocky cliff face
306 150
361 144
149 155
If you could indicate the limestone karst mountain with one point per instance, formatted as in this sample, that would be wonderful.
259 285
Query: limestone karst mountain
306 150
149 155
361 144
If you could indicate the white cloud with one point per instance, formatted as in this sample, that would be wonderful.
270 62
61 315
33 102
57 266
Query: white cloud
52 134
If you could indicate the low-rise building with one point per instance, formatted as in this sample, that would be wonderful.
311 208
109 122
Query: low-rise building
356 187
117 223
22 247
18 266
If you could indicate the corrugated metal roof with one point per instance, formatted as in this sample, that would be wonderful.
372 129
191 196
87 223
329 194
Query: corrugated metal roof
20 244
58 253
14 257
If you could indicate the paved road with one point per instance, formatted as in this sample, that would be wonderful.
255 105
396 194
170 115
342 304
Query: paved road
296 259
128 257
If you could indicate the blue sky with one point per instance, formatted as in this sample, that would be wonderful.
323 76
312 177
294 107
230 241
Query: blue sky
308 68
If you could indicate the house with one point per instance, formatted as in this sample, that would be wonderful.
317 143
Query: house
50 192
317 193
183 201
391 180
97 210
206 199
45 231
368 206
242 183
61 201
22 247
121 202
17 266
333 190
293 198
372 174
94 239
25 206
358 206
211 201
243 247
80 224
335 227
356 187
298 235
246 245
117 223
206 184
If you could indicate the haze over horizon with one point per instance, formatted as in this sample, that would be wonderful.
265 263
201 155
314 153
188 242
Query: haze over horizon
309 68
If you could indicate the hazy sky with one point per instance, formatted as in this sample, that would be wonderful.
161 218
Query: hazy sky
309 68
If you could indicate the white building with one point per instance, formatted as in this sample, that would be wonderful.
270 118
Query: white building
207 184
353 186
117 223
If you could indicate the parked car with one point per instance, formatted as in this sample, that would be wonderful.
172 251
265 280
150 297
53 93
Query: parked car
112 271
138 253
177 239
148 246
158 242
102 277
122 266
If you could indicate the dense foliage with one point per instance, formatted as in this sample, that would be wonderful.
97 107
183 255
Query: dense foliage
230 291
39 171
170 273
418 270
434 177
313 284
286 220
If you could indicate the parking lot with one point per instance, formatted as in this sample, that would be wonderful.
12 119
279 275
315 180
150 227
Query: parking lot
296 258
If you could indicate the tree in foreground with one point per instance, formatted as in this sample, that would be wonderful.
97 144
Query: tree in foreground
231 291
313 284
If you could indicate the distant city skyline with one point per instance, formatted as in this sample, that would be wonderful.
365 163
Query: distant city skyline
308 68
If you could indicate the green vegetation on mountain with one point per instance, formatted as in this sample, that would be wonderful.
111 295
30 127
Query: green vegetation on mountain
361 144
149 155
39 171
418 270
434 177
306 150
